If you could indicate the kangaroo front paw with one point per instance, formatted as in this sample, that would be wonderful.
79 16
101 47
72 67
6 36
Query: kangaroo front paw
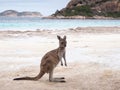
61 64
66 65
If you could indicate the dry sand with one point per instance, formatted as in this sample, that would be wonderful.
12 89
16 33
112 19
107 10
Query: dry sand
93 56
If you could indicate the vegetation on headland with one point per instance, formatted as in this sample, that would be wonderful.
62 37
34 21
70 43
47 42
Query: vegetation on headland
86 11
80 10
112 14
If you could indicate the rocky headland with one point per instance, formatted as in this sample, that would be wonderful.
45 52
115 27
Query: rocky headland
98 9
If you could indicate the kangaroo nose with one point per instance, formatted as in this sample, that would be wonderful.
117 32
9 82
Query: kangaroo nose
65 45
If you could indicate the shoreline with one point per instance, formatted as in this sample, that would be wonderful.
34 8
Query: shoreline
57 30
81 17
78 30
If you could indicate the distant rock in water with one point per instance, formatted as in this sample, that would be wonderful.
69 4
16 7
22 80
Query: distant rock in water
13 13
9 13
90 8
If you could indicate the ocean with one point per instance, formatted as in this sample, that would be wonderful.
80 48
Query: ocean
36 23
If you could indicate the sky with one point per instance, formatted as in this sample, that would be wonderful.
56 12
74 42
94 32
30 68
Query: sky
46 7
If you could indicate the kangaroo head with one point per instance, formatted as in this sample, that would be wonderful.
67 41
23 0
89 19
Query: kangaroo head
62 41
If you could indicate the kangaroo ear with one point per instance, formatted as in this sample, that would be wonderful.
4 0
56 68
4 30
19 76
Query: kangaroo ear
58 37
65 37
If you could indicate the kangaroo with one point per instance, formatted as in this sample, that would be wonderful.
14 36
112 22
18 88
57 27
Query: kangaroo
50 61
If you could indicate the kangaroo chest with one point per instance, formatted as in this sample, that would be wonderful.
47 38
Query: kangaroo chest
60 54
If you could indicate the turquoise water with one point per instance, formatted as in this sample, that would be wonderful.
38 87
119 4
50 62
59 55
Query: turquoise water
23 23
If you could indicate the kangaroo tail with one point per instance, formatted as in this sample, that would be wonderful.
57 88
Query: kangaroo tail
31 78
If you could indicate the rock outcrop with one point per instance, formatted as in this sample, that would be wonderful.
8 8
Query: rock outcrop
13 13
91 8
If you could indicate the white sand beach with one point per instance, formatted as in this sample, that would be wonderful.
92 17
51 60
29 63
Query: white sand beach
93 57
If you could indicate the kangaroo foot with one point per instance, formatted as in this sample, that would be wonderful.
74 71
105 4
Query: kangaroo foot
57 80
60 78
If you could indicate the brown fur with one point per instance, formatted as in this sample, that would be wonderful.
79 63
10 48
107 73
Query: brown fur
50 61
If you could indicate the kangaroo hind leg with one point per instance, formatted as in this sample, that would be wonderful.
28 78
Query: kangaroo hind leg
51 79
